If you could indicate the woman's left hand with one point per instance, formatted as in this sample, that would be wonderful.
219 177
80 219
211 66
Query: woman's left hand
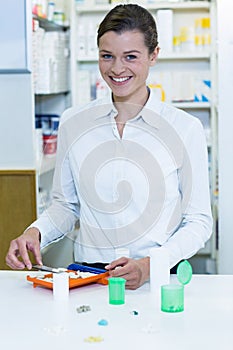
136 272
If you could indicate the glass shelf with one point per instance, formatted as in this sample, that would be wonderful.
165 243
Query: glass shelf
182 5
192 105
50 25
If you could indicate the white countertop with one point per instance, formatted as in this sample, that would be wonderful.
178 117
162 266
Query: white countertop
31 319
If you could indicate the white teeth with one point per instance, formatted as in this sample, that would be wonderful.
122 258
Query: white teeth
120 80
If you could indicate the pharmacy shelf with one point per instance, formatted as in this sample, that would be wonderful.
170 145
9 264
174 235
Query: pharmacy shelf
50 25
187 5
53 95
168 56
195 55
192 105
48 93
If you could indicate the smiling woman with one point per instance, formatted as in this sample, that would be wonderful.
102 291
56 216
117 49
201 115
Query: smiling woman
128 47
131 168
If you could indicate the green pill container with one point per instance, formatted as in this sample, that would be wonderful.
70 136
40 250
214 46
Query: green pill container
172 295
116 289
172 298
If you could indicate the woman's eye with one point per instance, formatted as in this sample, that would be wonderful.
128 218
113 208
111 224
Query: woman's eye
106 56
131 57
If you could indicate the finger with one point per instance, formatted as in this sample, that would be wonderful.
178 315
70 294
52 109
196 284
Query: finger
131 281
33 245
119 262
37 254
12 257
24 253
120 271
14 263
131 286
131 277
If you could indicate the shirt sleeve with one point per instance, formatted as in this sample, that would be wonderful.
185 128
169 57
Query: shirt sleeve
60 218
197 222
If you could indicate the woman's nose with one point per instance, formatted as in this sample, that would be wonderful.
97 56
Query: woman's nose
118 67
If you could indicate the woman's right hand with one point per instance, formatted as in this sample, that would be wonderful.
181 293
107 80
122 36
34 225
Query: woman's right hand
19 248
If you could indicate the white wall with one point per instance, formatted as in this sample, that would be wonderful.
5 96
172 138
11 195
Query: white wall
225 90
16 122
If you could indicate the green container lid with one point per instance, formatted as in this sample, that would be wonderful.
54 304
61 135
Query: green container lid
184 272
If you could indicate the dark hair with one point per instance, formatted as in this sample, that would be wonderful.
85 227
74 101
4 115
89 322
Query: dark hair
127 17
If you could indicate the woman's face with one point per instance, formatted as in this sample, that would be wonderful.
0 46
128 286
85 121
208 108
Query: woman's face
124 63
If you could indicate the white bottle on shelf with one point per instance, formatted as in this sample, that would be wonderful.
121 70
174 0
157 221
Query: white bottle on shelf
50 10
164 20
91 41
81 42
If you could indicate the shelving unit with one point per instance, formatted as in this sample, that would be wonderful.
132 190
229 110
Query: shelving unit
169 62
185 6
22 173
51 89
50 25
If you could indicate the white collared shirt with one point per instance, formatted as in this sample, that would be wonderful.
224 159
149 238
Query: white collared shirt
148 188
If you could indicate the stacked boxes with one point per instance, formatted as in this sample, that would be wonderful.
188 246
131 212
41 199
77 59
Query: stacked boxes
50 61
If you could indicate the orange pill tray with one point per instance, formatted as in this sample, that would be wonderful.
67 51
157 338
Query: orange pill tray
100 276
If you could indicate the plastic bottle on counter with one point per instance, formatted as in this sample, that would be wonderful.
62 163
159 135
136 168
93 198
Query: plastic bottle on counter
159 268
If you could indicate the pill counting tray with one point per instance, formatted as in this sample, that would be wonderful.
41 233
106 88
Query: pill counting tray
101 276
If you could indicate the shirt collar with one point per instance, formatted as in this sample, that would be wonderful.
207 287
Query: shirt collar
151 112
105 108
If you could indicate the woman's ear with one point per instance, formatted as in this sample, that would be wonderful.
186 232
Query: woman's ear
154 56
